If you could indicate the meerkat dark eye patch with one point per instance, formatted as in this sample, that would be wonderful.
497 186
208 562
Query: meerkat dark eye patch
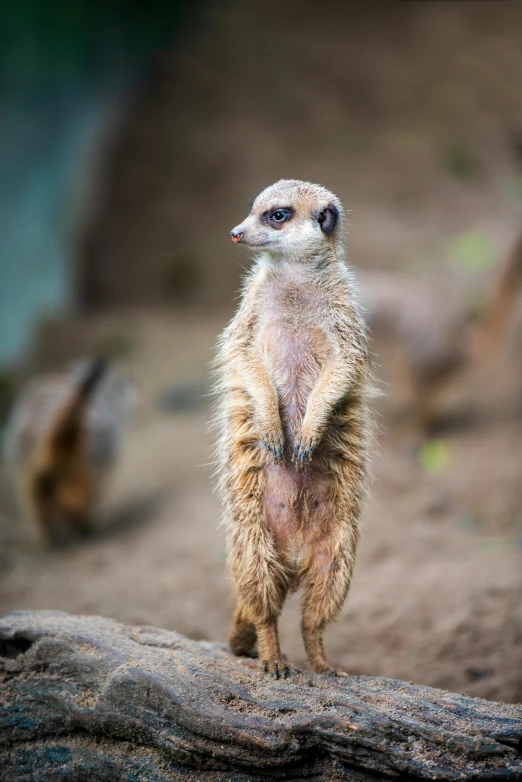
328 218
276 217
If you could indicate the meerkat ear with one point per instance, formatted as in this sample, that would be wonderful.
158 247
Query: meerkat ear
328 218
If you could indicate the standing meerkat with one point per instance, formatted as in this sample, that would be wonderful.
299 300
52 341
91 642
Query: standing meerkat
292 389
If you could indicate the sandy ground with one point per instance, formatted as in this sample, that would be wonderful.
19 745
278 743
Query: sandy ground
436 597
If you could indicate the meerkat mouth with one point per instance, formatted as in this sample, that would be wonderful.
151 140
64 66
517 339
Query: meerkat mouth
259 244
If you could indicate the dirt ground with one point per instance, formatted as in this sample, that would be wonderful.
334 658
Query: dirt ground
437 587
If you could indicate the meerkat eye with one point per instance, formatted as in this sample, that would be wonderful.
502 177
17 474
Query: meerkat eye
277 217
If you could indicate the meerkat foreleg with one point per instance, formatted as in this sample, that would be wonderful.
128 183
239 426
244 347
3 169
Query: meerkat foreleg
332 385
259 386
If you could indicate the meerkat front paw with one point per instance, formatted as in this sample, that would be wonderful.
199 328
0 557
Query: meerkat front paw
303 449
274 442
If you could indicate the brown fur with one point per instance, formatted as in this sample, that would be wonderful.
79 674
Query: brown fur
61 481
292 383
62 445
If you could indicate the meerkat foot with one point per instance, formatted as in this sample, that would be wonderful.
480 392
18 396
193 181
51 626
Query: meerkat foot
328 670
278 669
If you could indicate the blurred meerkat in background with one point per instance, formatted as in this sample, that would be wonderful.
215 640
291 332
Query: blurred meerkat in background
293 382
63 437
437 343
499 317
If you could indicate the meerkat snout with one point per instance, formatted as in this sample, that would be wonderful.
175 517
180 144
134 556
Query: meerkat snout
236 235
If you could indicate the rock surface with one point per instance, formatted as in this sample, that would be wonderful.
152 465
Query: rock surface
87 698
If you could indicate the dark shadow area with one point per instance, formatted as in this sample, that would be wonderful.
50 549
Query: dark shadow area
132 516
14 647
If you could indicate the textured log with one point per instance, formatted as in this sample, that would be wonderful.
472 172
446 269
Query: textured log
86 698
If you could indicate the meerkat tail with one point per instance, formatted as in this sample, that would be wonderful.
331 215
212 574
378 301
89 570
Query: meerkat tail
490 332
64 432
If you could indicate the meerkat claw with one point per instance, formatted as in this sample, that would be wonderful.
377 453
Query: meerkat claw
276 449
302 452
278 669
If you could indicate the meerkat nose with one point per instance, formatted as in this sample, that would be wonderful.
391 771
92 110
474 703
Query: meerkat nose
236 235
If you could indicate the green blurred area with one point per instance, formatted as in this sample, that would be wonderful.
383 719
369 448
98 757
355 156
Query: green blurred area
66 69
42 43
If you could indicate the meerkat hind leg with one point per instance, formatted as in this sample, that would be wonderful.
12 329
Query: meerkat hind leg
326 582
262 616
261 575
271 660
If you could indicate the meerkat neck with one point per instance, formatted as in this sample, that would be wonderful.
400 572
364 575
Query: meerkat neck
314 262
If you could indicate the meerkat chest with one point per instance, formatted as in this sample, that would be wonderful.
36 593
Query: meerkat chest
294 339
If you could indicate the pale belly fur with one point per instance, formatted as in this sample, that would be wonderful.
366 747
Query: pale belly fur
297 502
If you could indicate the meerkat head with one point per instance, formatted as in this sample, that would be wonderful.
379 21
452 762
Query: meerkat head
292 218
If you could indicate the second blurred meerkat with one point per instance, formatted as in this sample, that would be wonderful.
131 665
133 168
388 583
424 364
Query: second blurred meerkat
293 382
62 440
438 345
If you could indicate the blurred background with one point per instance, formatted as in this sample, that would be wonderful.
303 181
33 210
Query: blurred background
132 139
